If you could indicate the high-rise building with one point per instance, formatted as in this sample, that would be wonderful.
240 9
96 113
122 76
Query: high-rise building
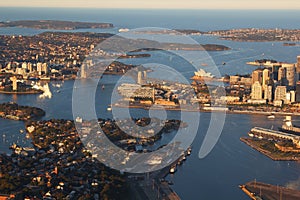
298 68
290 74
83 74
293 96
280 93
139 77
281 74
256 92
257 76
45 68
265 77
39 68
298 91
29 67
14 83
268 93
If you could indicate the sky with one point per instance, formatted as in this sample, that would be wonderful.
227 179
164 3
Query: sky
155 4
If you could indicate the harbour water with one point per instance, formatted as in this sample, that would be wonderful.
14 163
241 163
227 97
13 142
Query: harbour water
231 162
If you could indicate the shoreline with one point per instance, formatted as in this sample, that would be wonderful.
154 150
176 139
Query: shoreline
25 92
207 111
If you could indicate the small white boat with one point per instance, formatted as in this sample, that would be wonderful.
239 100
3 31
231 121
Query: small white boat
271 117
122 30
251 134
172 169
108 109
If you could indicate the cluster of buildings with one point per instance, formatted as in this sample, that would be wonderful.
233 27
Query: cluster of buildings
254 34
57 167
276 83
147 92
47 55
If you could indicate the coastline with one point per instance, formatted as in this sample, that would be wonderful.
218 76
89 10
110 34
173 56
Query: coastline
25 92
178 108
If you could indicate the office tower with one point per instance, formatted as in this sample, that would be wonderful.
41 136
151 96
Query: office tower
265 78
281 73
298 91
45 68
290 74
298 68
257 76
268 93
139 78
280 93
256 92
293 96
14 83
83 74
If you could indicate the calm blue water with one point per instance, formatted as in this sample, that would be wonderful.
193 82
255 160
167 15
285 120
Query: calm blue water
231 162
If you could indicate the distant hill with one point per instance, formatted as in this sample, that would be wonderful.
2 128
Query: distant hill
54 24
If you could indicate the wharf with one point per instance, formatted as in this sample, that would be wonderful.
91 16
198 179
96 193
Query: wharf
154 186
257 190
272 155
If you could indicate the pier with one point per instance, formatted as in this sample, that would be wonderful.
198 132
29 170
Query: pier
257 191
153 185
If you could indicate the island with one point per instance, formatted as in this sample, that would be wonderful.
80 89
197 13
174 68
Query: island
54 24
17 112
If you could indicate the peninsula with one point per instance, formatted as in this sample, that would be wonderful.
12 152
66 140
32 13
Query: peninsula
258 35
54 24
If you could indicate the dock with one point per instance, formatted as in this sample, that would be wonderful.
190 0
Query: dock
152 186
258 190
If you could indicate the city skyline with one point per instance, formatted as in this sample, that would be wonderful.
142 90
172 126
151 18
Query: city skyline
156 4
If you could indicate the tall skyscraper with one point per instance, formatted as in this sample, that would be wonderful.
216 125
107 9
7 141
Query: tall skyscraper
265 78
280 93
298 68
281 73
298 91
290 74
139 77
14 83
268 93
256 92
83 74
257 76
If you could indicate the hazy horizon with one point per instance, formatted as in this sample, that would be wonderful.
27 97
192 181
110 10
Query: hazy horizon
157 4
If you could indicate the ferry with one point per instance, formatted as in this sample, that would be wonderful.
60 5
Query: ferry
122 30
189 151
271 117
